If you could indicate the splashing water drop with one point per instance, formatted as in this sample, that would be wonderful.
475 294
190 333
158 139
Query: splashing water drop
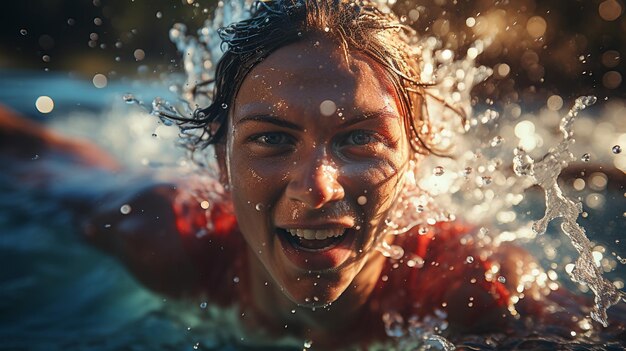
545 174
497 140
486 180
125 209
616 149
394 252
130 99
438 171
393 324
585 158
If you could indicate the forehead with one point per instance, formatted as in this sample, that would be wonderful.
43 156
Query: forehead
301 76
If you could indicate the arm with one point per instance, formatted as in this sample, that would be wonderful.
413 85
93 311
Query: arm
152 239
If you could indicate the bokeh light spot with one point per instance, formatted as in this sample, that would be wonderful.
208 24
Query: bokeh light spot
610 10
100 81
536 26
554 103
612 79
44 104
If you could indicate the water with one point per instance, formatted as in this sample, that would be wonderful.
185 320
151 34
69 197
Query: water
48 266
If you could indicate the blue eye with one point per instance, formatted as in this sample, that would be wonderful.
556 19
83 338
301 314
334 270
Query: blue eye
360 137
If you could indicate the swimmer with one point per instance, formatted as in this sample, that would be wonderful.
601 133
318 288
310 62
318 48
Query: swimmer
317 114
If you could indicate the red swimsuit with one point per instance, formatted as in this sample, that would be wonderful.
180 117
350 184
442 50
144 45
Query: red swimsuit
418 285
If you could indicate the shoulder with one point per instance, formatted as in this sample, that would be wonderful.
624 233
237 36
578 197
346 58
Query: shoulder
212 240
473 282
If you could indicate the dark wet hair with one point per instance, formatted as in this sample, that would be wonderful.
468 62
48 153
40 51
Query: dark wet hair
355 24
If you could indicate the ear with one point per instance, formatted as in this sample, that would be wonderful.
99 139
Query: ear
220 154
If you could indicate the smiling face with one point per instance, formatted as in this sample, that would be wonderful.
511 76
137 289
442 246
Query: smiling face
315 153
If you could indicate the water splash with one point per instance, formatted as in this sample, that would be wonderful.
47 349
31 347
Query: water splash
544 173
472 182
418 333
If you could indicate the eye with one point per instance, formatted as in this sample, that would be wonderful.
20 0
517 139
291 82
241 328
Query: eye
272 139
360 137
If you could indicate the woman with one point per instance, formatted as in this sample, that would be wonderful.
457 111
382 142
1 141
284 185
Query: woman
317 115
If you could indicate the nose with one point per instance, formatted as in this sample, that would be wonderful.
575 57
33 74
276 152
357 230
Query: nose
315 183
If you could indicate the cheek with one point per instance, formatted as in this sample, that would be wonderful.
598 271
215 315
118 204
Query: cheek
256 184
374 187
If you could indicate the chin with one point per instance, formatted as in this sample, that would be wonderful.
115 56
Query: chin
312 292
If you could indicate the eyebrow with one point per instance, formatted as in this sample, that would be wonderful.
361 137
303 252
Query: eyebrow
272 120
367 116
380 114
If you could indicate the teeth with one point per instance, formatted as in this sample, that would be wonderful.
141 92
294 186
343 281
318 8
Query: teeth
316 234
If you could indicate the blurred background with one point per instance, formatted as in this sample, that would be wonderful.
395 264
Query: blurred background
540 48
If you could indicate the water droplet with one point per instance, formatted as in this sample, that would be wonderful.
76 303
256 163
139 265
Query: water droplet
486 180
293 311
585 158
467 171
497 140
23 31
129 98
502 279
236 280
438 171
422 231
326 29
224 106
203 305
154 135
125 209
36 157
393 324
307 344
403 18
616 149
159 14
362 200
259 206
589 100
469 259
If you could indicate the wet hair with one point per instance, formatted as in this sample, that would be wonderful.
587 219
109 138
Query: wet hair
355 24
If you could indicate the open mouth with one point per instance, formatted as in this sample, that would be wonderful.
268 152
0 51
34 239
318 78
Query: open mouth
314 239
316 249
